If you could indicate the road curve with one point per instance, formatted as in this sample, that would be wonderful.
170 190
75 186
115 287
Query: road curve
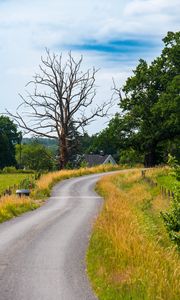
42 253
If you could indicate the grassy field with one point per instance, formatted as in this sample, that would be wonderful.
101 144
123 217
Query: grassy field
9 180
130 256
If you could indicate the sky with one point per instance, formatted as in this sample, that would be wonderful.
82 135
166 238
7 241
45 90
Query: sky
111 35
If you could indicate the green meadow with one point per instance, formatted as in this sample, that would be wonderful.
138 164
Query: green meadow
9 180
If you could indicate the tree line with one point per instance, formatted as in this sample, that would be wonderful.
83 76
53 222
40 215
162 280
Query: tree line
144 129
40 154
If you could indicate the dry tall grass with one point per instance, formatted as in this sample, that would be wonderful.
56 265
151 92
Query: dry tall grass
127 258
11 206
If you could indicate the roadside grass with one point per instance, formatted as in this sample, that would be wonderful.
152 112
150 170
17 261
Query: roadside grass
130 255
9 180
12 206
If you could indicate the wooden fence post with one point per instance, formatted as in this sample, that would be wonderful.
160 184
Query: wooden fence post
143 173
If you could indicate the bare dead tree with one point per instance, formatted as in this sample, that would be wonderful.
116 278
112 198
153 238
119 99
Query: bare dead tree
62 99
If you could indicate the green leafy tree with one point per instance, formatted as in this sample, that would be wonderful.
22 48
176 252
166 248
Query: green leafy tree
130 157
151 102
111 139
35 156
85 142
9 136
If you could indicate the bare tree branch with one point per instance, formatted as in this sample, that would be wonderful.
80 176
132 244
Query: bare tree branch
61 96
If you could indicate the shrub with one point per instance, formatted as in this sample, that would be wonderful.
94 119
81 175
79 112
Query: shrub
10 170
172 218
173 163
27 183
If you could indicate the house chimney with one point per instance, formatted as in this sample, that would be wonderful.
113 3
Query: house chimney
102 152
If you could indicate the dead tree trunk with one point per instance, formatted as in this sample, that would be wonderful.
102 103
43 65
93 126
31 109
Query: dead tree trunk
64 155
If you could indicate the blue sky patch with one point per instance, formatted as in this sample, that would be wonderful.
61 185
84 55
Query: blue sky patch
115 49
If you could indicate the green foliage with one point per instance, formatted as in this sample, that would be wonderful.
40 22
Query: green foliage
27 183
130 157
173 163
51 144
84 164
9 170
78 145
34 156
168 181
13 170
172 218
9 136
85 142
112 139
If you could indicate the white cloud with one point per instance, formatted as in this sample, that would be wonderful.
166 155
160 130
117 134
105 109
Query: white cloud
149 7
69 21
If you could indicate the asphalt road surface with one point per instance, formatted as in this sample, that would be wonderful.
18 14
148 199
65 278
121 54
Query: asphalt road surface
42 253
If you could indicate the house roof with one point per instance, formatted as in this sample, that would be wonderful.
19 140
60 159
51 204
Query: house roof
95 159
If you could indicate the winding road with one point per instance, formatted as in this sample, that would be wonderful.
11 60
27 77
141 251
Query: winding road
42 253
